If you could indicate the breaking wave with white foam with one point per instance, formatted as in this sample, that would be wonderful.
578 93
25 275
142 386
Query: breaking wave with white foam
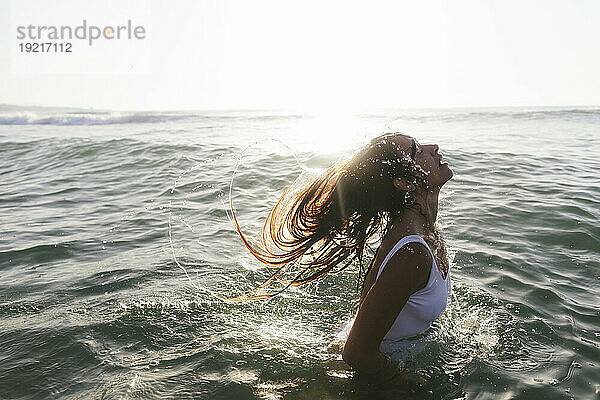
89 118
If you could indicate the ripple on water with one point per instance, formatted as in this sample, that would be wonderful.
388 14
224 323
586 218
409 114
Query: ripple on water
481 332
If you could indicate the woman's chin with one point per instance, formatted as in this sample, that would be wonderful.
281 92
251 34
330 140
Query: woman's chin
446 172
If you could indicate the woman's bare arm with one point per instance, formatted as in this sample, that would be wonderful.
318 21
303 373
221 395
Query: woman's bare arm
406 272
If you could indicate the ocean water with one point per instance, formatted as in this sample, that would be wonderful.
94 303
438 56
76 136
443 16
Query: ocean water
115 238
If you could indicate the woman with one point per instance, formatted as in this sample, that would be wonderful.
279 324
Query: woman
388 189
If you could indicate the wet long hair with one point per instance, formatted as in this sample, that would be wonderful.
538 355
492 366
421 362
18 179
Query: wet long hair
327 225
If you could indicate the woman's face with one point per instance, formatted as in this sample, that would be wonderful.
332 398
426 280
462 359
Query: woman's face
427 159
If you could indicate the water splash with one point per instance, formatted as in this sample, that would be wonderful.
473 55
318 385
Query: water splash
305 176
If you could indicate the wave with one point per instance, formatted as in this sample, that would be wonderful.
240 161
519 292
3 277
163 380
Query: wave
534 114
42 116
449 115
89 118
49 116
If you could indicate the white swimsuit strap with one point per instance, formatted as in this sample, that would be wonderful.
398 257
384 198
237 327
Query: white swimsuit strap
398 246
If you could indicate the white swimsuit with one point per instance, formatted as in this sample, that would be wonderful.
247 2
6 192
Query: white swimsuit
422 307
425 305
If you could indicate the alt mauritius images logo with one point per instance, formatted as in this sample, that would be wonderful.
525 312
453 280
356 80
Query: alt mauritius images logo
59 39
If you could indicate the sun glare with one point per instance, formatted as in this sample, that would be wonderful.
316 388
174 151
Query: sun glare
327 132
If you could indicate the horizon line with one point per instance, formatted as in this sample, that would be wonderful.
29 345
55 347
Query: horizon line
298 109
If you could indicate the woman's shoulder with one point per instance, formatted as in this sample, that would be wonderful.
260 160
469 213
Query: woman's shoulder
411 260
407 246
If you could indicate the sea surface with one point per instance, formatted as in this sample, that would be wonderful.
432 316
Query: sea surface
115 245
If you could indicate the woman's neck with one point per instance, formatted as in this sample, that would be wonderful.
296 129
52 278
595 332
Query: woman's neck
419 219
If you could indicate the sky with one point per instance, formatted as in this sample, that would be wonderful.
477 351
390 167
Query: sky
307 55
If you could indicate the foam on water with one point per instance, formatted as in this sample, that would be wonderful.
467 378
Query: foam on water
29 118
